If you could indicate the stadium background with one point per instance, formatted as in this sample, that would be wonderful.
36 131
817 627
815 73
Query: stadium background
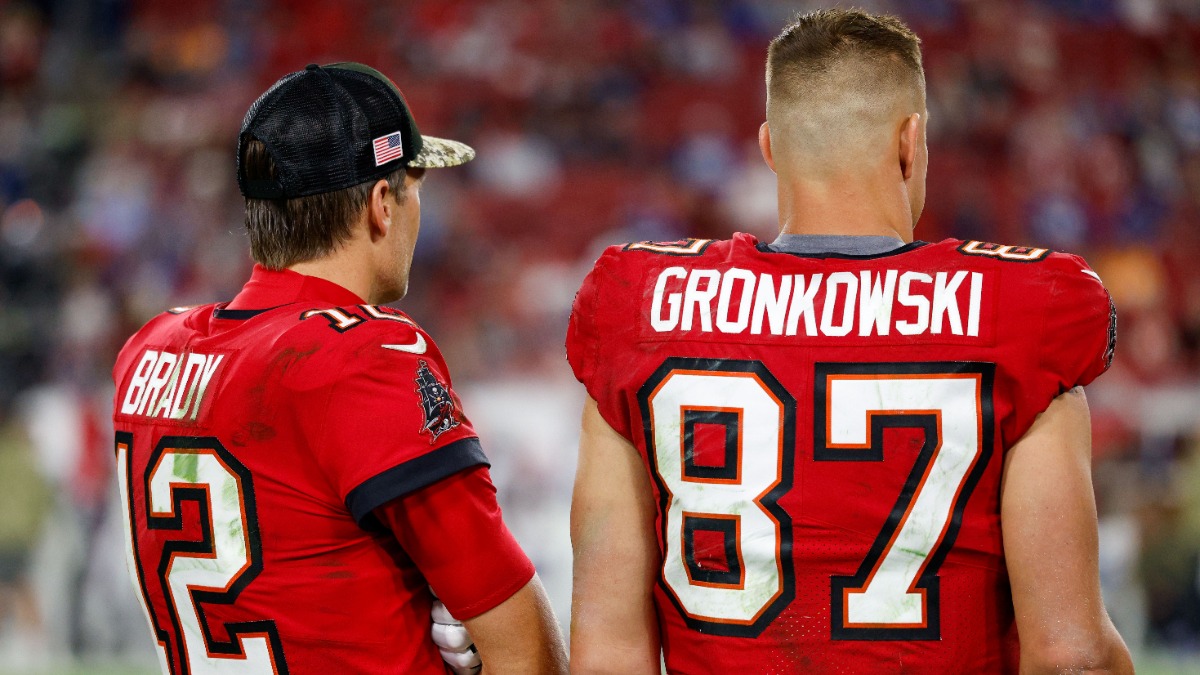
1073 124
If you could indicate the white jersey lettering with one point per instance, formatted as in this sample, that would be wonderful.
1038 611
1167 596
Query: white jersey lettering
168 385
736 301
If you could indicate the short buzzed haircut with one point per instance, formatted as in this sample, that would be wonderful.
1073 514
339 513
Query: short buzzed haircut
836 76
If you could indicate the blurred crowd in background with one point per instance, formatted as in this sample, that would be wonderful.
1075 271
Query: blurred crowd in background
1071 124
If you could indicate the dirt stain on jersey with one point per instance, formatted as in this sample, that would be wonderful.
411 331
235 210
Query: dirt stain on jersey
292 356
261 396
260 432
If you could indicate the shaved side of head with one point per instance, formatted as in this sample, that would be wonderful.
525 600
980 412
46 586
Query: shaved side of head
839 85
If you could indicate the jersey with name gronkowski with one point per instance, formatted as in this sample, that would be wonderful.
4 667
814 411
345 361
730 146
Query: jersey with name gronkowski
253 446
825 436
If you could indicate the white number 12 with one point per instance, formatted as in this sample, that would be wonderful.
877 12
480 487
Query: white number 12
189 574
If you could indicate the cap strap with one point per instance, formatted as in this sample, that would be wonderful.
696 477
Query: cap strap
264 189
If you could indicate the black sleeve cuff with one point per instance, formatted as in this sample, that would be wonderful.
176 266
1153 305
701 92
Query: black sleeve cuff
411 476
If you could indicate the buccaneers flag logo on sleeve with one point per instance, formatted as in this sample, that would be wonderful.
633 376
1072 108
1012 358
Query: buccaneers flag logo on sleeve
436 403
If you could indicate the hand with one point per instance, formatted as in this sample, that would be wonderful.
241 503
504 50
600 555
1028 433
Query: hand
454 642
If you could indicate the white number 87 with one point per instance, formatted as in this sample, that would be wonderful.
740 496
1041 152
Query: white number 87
732 501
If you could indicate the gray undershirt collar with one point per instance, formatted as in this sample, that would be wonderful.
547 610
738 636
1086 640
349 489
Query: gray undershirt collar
844 244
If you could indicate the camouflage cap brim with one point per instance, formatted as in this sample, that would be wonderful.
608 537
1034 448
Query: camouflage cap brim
439 153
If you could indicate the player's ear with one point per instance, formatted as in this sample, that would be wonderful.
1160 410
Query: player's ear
380 210
764 144
910 140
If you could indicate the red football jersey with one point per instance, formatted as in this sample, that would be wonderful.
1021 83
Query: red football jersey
256 442
825 436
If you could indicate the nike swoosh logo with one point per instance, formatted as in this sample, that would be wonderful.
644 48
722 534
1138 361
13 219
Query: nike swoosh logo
417 347
1092 274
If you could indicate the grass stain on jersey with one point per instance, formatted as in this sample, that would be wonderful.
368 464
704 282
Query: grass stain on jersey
186 466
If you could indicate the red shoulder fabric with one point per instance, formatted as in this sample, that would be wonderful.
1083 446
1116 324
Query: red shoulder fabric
454 533
593 322
1076 342
388 422
1081 326
603 334
581 332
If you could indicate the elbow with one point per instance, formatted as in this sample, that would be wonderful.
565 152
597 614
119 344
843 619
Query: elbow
611 661
1102 655
586 665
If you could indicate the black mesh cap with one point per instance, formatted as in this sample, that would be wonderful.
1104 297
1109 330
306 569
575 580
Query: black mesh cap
332 127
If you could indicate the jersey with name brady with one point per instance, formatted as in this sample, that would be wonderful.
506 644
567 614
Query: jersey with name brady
253 448
825 436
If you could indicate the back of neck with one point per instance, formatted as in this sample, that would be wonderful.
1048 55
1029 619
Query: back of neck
345 267
843 207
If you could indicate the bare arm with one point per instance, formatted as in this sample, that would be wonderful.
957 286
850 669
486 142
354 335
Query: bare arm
614 628
520 635
1048 517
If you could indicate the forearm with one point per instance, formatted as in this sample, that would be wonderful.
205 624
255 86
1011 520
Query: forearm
614 627
520 635
1048 517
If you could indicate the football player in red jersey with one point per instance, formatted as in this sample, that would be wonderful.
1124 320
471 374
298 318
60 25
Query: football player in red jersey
296 469
844 451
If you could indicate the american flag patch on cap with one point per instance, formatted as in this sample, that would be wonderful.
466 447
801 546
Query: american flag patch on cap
387 148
